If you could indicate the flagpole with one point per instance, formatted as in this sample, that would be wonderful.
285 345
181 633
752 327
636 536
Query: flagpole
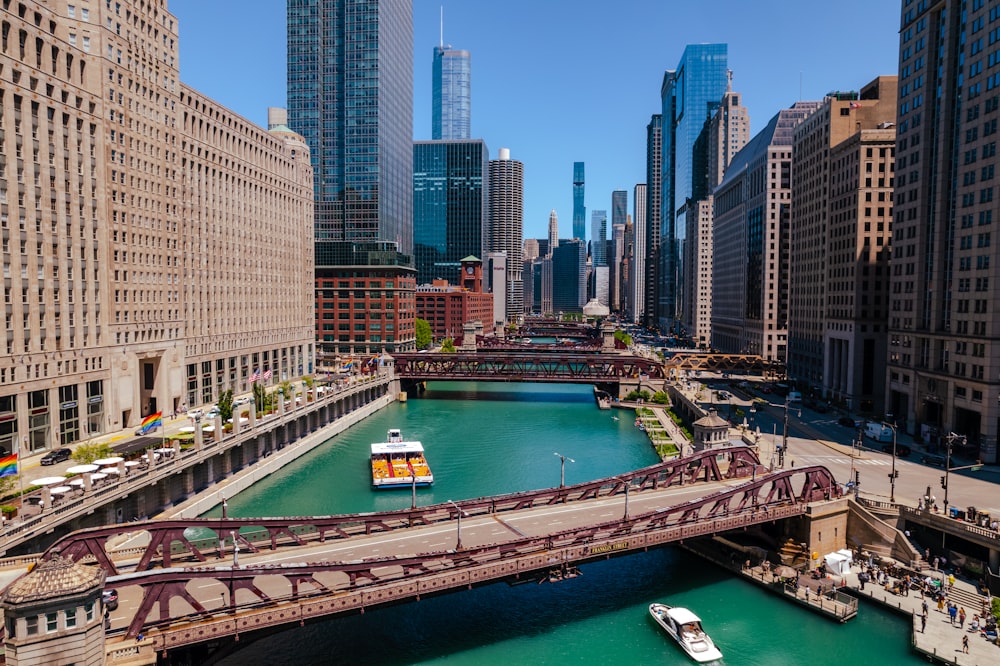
20 477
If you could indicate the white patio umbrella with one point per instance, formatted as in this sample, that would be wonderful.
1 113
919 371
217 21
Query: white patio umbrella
82 469
49 481
113 460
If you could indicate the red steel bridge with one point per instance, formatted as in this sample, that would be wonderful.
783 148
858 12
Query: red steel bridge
565 367
187 597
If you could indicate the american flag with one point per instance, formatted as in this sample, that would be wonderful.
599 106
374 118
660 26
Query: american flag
255 376
267 375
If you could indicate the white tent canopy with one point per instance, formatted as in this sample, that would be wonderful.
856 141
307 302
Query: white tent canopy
839 562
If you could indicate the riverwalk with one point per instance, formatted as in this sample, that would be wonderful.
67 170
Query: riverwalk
941 639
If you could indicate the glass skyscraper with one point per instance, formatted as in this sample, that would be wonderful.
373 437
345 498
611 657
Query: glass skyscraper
598 238
451 112
579 210
689 94
350 94
450 206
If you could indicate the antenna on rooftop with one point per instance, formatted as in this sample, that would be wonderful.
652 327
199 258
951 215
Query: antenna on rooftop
441 38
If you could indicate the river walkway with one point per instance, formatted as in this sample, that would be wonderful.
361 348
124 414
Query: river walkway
940 640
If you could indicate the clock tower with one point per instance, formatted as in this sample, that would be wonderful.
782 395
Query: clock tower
472 274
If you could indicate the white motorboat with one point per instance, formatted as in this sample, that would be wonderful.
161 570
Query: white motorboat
685 628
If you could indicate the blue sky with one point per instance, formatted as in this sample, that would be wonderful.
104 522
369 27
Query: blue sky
559 81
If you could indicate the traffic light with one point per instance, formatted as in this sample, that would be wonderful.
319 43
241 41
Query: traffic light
894 475
857 478
944 484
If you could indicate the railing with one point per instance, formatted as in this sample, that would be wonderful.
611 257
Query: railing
18 532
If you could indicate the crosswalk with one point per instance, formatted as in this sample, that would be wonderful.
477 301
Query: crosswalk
839 460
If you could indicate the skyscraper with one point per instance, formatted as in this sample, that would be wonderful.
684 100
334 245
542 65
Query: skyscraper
689 94
579 210
635 299
553 229
654 159
451 111
943 307
507 224
598 238
350 94
569 276
450 206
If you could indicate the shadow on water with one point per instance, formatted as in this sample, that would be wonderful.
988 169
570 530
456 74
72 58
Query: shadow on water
438 393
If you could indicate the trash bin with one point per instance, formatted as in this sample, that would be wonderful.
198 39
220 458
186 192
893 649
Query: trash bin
953 512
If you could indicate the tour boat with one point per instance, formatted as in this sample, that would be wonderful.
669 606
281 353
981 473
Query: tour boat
397 464
685 628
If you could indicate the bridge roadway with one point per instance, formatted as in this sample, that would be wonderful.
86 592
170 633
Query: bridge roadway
294 584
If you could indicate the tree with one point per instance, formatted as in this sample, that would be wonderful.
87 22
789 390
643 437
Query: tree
424 335
226 405
88 453
624 337
448 345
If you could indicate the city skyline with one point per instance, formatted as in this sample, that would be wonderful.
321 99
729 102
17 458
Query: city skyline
248 73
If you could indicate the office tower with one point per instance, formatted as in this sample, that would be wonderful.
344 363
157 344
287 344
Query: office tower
507 224
451 110
619 207
579 209
538 273
553 229
943 330
616 255
450 206
131 295
569 276
751 249
598 238
531 249
724 134
840 240
497 278
654 161
636 293
689 94
350 94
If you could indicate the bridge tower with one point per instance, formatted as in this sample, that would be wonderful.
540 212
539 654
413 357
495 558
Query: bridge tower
607 337
54 615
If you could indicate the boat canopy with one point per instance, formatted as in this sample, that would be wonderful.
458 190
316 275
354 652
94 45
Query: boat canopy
682 616
397 447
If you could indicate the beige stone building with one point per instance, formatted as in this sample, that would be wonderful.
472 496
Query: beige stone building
157 248
840 217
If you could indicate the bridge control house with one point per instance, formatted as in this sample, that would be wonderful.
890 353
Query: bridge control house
447 308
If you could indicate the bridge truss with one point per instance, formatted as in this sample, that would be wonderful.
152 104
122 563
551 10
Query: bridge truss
334 587
713 362
572 367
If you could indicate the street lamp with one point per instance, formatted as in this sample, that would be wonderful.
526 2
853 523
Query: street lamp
784 437
236 550
458 540
950 439
562 467
893 473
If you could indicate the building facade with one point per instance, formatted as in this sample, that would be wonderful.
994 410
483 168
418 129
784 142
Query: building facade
944 317
507 225
750 242
449 307
635 292
451 97
688 96
569 276
654 160
350 94
579 209
132 294
450 206
836 343
599 238
553 229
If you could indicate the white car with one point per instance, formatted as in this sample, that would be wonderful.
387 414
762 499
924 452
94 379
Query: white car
245 400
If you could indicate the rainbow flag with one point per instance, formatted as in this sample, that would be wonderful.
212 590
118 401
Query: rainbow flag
8 465
151 422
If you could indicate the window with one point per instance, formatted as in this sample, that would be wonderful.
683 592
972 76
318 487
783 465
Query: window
31 625
71 618
51 622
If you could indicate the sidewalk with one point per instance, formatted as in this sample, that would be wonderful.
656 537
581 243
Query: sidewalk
941 640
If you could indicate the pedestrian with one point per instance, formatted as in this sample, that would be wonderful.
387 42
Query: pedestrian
965 644
923 622
923 607
952 612
961 618
951 581
934 563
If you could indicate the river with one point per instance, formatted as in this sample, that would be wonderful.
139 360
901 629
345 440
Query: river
489 438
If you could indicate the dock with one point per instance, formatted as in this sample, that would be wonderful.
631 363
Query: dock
820 595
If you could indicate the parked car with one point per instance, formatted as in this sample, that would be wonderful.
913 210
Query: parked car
110 599
902 450
56 456
936 461
848 422
245 400
139 431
